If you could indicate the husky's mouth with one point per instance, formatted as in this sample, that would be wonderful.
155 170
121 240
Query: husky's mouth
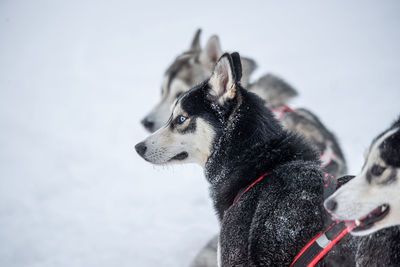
180 156
369 220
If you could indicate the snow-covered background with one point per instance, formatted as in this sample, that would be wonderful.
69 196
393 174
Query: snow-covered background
76 77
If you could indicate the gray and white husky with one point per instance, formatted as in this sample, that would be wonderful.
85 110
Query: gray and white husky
230 133
196 64
370 202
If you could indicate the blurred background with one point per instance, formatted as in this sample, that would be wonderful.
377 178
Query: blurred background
76 77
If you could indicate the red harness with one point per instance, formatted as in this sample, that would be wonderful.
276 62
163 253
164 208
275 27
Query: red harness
279 112
322 243
241 193
327 156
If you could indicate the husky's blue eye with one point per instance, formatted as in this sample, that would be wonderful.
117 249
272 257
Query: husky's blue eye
180 119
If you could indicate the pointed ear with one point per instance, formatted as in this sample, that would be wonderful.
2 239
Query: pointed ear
248 66
223 83
237 64
195 45
212 52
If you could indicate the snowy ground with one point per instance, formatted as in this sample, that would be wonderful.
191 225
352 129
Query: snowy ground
77 76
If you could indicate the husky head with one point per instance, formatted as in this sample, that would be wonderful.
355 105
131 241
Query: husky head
371 200
198 117
189 69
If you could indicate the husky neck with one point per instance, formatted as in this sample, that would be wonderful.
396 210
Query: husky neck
252 144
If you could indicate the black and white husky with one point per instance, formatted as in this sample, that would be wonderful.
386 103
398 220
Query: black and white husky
196 64
371 202
266 183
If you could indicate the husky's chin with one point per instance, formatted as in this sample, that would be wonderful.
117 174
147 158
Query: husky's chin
162 160
181 156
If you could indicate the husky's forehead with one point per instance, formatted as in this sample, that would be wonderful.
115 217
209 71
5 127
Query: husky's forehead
382 159
181 63
386 147
193 101
178 110
390 148
195 104
394 126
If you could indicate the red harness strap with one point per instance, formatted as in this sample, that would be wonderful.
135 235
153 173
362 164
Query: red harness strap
239 195
329 247
327 156
279 112
320 245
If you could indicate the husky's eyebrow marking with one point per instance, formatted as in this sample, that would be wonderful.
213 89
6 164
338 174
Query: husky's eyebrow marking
390 179
181 62
191 128
169 120
174 72
390 152
382 180
378 155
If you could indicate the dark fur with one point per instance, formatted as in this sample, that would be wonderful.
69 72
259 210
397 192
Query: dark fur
273 221
390 151
380 249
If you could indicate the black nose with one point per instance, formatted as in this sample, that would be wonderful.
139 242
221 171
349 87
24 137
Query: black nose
331 204
148 124
141 148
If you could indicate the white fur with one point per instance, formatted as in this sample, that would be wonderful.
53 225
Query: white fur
219 260
165 143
